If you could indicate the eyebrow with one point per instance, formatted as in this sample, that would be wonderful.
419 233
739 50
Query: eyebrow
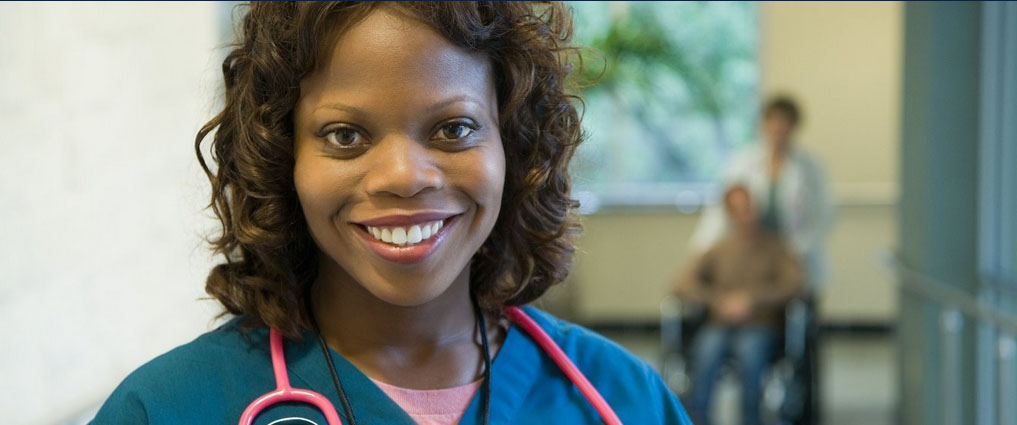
338 106
437 105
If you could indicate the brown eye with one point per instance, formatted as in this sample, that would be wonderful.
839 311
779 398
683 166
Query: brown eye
344 137
455 131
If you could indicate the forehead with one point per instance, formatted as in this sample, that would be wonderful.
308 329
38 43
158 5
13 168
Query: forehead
777 113
389 55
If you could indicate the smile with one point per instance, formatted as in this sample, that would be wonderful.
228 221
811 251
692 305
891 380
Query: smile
404 236
406 239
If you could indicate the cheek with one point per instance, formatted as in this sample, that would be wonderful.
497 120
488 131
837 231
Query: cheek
488 177
319 182
479 174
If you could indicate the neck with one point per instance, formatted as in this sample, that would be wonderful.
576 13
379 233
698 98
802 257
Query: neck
353 319
426 346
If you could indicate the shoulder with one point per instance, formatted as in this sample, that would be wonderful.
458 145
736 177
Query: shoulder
726 243
229 342
807 161
628 383
744 164
751 154
188 374
581 344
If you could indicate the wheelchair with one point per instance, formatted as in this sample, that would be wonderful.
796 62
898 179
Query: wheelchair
790 388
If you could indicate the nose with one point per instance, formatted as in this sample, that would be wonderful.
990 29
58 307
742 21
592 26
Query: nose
404 167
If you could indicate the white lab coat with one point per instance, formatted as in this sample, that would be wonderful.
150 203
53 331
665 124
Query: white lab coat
805 206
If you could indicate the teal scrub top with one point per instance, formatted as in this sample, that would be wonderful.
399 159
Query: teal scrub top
212 379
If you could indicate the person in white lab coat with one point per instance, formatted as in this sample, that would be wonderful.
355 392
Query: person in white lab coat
794 201
789 186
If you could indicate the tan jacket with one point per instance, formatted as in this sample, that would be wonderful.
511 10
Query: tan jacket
763 266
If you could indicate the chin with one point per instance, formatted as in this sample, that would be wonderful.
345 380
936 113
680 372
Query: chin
412 297
410 290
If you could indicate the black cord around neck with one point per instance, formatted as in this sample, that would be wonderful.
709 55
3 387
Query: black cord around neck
482 324
486 385
331 369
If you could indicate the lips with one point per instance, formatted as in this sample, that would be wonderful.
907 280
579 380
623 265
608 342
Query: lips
405 239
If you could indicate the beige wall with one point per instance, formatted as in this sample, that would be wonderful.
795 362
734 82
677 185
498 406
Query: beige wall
842 62
101 262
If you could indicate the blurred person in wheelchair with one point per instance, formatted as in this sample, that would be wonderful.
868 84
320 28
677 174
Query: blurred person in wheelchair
789 188
745 281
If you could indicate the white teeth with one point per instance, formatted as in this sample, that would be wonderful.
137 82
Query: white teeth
406 235
399 236
414 236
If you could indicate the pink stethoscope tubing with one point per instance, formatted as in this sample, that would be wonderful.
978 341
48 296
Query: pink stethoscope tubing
565 364
284 392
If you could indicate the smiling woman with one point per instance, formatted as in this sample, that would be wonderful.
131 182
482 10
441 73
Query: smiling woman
396 128
391 180
347 85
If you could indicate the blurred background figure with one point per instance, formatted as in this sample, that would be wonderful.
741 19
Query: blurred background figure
745 279
789 188
794 200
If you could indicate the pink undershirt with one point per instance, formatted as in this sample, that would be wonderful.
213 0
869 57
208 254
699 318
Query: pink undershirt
433 407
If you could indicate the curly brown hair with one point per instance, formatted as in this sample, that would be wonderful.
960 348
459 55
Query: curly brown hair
271 260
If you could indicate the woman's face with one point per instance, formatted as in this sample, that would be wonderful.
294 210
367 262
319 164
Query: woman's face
399 163
777 129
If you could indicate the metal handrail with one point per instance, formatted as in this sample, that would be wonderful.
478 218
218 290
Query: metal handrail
931 288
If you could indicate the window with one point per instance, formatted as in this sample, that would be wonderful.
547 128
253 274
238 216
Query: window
676 95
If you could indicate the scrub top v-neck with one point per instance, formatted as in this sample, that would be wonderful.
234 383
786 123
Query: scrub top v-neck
212 379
